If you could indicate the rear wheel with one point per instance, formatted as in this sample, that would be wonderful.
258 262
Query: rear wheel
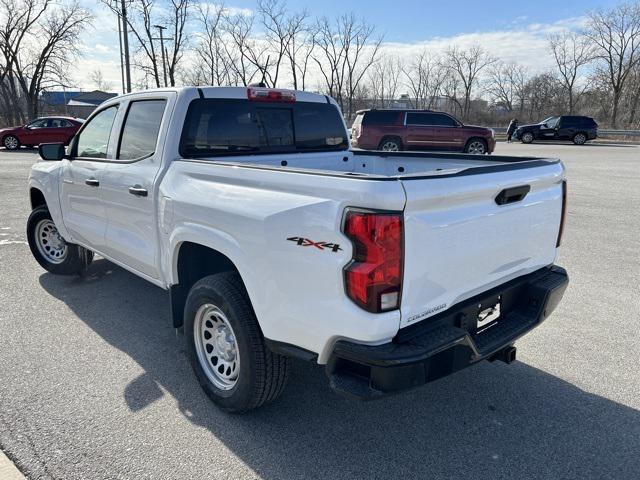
11 142
52 251
390 145
476 146
579 139
526 137
226 347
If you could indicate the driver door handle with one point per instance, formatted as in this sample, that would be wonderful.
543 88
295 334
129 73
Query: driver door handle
92 182
138 191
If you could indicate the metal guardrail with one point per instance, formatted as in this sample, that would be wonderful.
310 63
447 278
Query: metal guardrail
601 132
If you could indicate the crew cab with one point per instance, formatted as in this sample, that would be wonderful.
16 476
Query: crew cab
576 128
275 240
395 130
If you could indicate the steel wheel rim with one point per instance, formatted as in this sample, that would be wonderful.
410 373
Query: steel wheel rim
11 142
476 147
390 147
49 242
216 346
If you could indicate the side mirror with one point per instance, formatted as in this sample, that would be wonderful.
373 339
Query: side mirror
51 151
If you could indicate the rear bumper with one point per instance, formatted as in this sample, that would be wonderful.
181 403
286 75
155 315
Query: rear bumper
449 341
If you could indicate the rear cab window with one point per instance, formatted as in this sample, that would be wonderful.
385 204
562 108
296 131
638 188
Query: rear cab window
222 127
141 128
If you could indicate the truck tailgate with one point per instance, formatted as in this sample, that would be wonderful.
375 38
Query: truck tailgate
459 241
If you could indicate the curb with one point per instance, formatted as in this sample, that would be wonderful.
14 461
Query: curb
8 471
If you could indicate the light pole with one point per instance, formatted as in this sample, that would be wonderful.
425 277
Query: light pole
162 39
121 61
125 40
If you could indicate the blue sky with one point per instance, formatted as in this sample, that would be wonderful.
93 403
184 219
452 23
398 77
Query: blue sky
415 20
511 30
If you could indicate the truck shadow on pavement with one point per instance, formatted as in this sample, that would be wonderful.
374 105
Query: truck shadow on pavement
489 421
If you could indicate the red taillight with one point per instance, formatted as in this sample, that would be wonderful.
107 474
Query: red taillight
258 94
563 215
373 279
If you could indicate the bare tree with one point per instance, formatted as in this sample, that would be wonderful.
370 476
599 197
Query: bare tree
248 56
142 19
425 78
347 48
571 52
507 85
19 21
299 47
543 94
384 77
38 41
97 77
467 65
273 16
615 34
212 66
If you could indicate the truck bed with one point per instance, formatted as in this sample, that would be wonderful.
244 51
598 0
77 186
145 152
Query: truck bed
391 165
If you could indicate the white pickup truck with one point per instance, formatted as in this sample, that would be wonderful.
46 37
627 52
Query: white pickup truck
275 240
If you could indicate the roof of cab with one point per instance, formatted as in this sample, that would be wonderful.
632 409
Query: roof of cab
234 92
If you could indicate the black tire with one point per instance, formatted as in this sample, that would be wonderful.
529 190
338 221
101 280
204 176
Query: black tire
580 138
390 144
11 142
526 137
476 146
262 373
76 258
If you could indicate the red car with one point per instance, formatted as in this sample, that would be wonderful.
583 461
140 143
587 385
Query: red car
41 130
395 130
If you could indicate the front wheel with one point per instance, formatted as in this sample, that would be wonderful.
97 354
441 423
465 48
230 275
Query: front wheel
579 139
526 137
52 251
10 142
226 348
476 146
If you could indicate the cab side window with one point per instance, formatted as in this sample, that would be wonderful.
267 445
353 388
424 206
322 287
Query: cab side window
94 138
141 128
38 124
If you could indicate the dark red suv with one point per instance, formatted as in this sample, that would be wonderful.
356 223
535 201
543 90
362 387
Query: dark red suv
395 130
41 130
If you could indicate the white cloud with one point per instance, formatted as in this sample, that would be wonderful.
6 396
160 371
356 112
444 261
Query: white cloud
521 42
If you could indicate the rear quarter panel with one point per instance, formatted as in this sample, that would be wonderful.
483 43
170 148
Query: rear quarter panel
248 214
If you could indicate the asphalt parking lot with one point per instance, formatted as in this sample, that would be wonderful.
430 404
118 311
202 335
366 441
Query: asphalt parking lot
94 384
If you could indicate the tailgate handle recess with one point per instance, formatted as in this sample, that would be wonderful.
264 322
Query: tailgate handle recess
512 195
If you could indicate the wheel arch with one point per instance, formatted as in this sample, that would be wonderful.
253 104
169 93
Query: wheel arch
37 198
193 261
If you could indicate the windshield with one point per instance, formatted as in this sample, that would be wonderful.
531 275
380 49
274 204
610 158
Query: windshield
233 126
550 122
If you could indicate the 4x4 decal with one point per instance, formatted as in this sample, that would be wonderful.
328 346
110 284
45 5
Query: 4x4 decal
305 242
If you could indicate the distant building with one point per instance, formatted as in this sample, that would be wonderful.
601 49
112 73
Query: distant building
72 103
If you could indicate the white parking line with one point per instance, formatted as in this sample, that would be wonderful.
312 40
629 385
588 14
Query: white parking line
8 470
